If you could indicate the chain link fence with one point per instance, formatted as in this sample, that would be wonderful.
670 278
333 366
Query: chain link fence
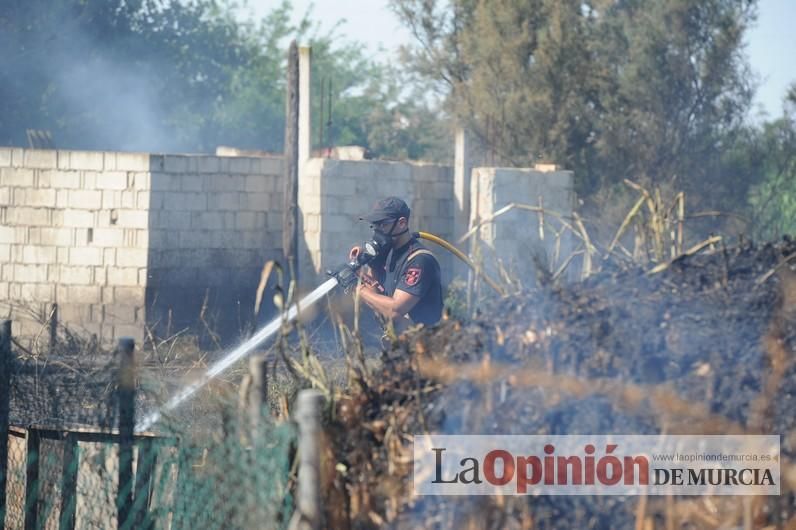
73 460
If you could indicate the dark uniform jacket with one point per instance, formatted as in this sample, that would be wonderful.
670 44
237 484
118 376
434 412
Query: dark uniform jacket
418 274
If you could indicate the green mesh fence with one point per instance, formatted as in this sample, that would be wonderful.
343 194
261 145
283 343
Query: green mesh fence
203 467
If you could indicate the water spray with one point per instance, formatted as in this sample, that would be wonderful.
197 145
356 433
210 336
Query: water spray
345 275
236 354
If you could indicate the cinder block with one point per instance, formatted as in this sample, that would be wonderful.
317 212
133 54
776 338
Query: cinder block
109 257
112 180
142 201
240 165
224 201
40 198
5 197
75 275
60 179
16 176
119 314
195 239
85 200
274 221
7 235
255 202
86 256
5 157
225 182
207 220
38 254
192 182
123 277
4 290
5 253
83 294
17 157
272 166
257 183
131 257
172 220
133 219
128 200
141 238
29 273
28 216
310 204
78 218
22 236
159 181
87 160
208 164
108 237
74 313
38 292
143 277
129 295
61 202
186 201
246 221
175 163
311 223
41 158
131 161
142 181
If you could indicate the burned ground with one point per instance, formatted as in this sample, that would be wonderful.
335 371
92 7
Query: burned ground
703 347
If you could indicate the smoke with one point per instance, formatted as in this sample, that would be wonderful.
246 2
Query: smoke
97 77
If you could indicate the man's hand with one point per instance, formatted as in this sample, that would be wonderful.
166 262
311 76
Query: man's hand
369 282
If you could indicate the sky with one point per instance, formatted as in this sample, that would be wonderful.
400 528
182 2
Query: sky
770 45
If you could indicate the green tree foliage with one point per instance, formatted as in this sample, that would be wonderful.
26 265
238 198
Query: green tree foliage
176 75
645 89
773 147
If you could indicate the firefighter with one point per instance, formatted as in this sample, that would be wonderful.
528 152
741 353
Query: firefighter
403 283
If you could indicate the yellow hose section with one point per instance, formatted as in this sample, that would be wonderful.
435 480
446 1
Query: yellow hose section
459 254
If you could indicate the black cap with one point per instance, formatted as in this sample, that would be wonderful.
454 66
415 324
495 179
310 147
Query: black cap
389 208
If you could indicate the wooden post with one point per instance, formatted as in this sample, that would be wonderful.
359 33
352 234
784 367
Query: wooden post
126 382
308 502
53 325
257 400
71 462
5 399
258 394
32 480
290 206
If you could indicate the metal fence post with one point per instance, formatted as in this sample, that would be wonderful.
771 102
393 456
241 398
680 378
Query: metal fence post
5 398
308 416
32 480
124 494
69 471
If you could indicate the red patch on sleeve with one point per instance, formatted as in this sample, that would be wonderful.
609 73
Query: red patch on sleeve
412 276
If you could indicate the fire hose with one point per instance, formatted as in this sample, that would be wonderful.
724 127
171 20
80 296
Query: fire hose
346 274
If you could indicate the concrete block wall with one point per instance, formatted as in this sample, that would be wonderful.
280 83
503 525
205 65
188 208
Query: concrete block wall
514 238
124 240
214 222
74 231
334 193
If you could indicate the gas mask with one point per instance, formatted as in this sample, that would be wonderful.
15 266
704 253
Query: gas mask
382 242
